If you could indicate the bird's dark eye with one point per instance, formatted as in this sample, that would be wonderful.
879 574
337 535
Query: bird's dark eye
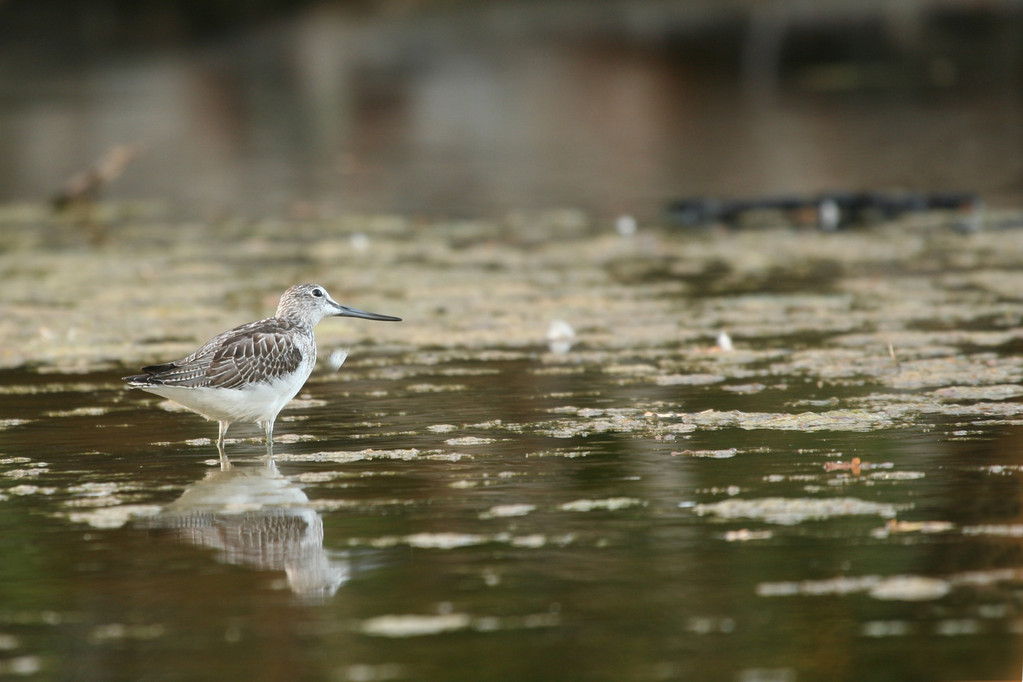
318 293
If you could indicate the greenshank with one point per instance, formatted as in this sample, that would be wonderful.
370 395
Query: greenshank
248 374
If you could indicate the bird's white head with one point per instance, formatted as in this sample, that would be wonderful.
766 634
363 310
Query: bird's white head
310 303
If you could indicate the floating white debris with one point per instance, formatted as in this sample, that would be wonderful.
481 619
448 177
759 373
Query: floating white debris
840 585
897 475
745 535
470 440
834 420
363 672
504 510
910 588
343 457
294 437
80 412
609 504
534 541
337 358
713 454
96 488
120 631
952 627
460 540
306 402
441 428
694 379
626 225
767 675
790 511
25 489
316 476
560 336
414 625
744 389
114 517
886 628
997 392
24 473
21 665
359 241
829 215
894 526
444 540
705 625
435 388
902 587
1013 530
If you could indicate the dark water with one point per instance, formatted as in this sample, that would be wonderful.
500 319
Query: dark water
127 554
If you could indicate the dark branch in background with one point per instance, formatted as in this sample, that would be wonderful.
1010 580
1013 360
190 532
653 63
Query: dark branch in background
830 211
85 186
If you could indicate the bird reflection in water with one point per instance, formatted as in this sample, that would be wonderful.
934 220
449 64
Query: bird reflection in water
254 516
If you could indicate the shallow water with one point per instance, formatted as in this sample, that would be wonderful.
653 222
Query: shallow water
404 537
836 497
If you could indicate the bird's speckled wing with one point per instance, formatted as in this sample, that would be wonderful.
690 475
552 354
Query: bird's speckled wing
255 352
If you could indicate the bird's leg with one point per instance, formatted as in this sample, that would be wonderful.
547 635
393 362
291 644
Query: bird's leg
268 429
224 463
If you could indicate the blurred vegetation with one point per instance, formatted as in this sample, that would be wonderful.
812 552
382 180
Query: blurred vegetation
76 26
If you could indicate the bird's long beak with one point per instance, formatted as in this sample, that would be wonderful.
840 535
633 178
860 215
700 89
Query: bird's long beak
345 311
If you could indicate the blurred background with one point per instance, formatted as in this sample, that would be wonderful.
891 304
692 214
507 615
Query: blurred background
457 109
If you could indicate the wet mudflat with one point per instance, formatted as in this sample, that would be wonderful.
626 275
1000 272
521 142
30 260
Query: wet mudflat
836 496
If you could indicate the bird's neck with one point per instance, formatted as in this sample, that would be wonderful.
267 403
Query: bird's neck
296 321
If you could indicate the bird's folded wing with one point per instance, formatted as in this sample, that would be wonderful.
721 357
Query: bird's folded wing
255 352
252 358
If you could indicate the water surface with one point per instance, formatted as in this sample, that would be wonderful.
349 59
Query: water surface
836 497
